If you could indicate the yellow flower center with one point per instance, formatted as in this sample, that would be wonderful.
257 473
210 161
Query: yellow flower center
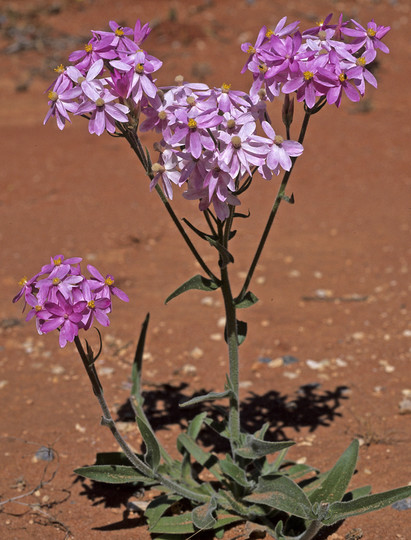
231 123
88 48
119 32
139 68
263 68
162 115
320 23
157 168
192 124
308 75
57 262
342 77
59 69
56 281
191 100
38 308
251 50
361 61
371 32
81 79
269 33
236 141
91 304
225 87
53 96
322 35
23 281
109 281
278 140
99 102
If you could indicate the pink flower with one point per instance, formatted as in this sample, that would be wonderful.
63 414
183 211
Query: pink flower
62 100
104 113
65 316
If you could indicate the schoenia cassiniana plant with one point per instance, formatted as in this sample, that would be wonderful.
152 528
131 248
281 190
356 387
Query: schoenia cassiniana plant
209 145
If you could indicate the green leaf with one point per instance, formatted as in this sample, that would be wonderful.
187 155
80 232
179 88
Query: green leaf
197 282
178 524
337 479
343 510
283 494
234 472
211 396
225 255
114 474
249 299
158 506
138 363
203 515
256 448
194 426
205 459
153 452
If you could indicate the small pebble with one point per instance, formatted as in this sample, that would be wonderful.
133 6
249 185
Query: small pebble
216 337
405 504
197 353
276 362
188 369
405 406
407 333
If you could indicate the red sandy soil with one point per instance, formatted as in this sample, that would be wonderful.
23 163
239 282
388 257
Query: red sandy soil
334 281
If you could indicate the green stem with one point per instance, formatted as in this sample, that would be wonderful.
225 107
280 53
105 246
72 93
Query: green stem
232 342
108 421
273 213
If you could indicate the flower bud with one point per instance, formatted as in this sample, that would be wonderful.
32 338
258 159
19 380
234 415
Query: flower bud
288 111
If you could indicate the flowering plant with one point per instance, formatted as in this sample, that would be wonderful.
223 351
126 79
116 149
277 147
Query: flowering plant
213 141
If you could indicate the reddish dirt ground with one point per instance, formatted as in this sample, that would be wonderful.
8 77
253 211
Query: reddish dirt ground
334 282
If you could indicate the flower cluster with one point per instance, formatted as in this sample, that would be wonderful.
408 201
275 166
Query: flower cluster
214 139
110 76
319 62
61 297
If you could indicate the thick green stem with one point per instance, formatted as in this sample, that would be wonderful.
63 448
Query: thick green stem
108 421
232 340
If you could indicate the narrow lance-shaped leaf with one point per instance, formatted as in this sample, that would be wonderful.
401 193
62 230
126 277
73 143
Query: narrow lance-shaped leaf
256 448
211 396
153 453
114 474
138 362
343 510
197 282
282 493
336 481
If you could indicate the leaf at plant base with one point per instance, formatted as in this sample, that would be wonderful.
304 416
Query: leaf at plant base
234 472
197 282
178 524
249 299
159 506
114 474
256 448
153 452
283 494
211 396
342 510
202 457
337 479
203 515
